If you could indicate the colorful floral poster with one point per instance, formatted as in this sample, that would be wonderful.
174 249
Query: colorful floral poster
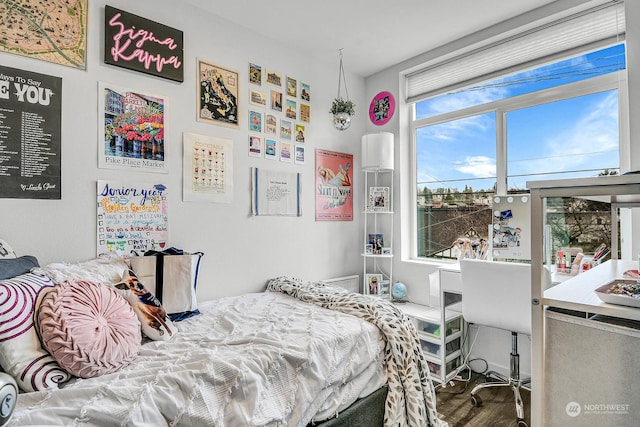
131 217
334 190
131 130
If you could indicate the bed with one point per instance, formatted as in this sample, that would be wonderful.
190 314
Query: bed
299 354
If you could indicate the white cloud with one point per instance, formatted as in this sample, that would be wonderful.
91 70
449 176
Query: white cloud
477 166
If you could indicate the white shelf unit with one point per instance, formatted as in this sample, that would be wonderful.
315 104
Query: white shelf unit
577 296
378 221
441 338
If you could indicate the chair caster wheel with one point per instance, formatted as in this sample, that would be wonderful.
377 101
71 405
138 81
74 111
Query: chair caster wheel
522 423
476 401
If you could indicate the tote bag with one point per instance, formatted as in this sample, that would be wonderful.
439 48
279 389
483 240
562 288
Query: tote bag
172 276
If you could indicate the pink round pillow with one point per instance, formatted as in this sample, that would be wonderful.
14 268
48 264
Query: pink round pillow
88 328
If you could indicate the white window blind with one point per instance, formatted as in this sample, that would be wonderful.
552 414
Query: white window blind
588 29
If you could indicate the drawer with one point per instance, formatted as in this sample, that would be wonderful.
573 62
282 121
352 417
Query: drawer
434 349
436 369
451 281
432 329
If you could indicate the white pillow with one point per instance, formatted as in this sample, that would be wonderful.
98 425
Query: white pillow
21 353
105 270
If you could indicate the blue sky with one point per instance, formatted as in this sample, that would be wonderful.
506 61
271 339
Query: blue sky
575 134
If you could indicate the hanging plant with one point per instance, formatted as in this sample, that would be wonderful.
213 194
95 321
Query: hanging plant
341 108
341 105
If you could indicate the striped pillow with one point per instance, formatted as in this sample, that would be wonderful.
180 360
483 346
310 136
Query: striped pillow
21 353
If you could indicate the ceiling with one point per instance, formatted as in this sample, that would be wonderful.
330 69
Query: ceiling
374 34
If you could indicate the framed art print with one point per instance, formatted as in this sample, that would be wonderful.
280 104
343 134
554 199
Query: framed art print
207 168
217 95
49 31
381 108
131 129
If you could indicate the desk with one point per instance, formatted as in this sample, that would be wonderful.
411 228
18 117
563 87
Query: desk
590 354
577 294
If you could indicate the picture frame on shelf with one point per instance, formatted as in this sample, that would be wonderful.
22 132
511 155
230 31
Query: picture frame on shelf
386 251
377 242
378 199
368 249
373 283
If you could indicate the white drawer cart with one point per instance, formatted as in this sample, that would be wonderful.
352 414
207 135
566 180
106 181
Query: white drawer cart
441 341
441 329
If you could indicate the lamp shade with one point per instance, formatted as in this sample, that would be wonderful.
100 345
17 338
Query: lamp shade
377 151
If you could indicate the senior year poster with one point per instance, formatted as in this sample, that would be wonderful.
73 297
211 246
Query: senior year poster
334 174
131 216
30 135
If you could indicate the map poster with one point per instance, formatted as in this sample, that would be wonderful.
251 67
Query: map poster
30 135
131 129
53 30
139 44
334 192
131 217
217 100
207 168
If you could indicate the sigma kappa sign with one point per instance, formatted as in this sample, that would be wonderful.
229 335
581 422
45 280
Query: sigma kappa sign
136 43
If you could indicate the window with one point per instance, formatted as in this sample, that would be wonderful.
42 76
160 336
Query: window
553 121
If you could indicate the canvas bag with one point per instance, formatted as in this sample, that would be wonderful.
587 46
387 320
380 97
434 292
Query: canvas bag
172 276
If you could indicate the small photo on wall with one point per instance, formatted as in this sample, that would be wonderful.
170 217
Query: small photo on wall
305 113
285 129
257 98
299 133
285 151
255 121
255 74
270 149
255 146
292 87
291 110
274 78
276 100
299 159
305 92
270 124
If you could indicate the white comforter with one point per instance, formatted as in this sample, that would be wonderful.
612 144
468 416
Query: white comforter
262 359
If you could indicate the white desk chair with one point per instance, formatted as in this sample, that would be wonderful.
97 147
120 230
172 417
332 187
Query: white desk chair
498 294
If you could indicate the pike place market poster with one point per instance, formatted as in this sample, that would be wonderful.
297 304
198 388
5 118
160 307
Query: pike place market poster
30 135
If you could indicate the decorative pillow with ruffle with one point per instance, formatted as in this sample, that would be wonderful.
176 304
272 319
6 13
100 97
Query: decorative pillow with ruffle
89 328
21 353
154 319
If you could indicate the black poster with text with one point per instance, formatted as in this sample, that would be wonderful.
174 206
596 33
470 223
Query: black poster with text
139 44
30 135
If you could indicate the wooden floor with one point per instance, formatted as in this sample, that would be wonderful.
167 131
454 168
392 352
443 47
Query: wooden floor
498 405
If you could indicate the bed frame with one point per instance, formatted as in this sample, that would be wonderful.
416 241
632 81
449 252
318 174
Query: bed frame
365 412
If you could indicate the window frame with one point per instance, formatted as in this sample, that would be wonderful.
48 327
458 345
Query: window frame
616 80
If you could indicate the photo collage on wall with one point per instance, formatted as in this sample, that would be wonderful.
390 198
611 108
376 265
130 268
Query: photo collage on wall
278 115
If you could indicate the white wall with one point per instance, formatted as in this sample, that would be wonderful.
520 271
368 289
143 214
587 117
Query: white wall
241 252
493 345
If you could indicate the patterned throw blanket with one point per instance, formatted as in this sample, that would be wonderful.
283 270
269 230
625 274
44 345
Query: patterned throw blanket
411 400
